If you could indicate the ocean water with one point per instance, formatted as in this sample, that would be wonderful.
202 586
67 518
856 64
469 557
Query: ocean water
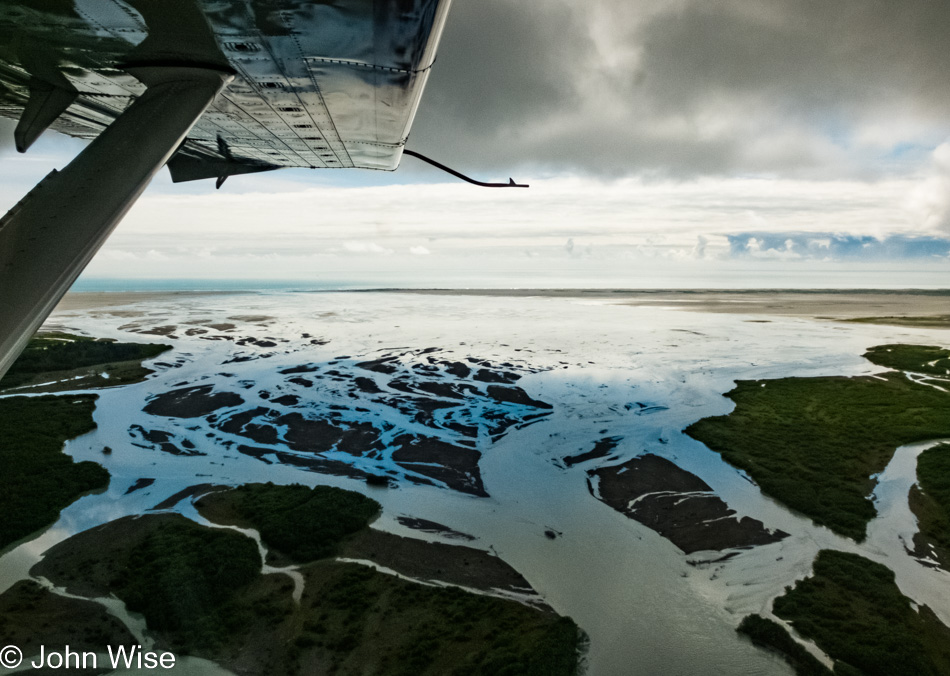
647 607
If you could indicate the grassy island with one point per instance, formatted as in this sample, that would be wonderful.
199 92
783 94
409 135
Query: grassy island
931 502
202 593
57 361
38 479
188 581
772 636
368 622
31 616
301 523
856 614
917 358
814 443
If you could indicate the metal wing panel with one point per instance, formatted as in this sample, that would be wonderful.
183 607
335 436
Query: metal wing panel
320 83
340 81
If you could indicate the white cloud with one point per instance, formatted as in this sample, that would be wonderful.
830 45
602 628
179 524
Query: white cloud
699 251
756 248
930 200
590 220
365 247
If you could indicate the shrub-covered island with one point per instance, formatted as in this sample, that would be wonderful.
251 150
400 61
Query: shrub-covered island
930 501
202 593
814 443
772 636
57 361
854 611
300 522
38 479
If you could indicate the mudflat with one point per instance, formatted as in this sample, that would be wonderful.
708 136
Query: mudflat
866 305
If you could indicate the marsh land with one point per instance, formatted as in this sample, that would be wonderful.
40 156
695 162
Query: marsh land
463 482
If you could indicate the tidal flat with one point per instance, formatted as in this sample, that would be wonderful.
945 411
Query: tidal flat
478 420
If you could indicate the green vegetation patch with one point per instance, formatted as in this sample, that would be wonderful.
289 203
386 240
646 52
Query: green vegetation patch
931 502
813 443
183 578
38 479
364 622
32 616
917 358
770 635
59 355
202 593
297 521
854 611
933 472
922 321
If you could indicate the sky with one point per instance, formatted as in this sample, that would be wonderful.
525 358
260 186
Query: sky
668 143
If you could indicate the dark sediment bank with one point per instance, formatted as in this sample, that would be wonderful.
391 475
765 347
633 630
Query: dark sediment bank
420 389
189 492
601 449
191 402
139 485
162 441
677 504
455 466
418 386
433 561
427 526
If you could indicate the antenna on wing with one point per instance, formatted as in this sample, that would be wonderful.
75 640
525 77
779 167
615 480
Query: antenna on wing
510 184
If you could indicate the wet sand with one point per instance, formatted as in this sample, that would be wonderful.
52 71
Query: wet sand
823 303
93 300
826 304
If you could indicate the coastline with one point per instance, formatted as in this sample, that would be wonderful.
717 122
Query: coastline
594 359
827 304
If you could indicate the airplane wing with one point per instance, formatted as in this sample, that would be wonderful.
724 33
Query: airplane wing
316 84
212 88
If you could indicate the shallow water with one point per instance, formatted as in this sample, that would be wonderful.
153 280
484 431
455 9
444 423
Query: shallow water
645 608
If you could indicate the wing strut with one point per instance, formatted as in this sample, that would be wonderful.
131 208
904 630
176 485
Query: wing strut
51 234
510 184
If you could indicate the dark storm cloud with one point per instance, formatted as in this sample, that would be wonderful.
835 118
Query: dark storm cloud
811 57
805 87
504 60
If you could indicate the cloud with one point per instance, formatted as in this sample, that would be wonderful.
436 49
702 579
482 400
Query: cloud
699 251
355 247
779 133
836 247
931 199
687 88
